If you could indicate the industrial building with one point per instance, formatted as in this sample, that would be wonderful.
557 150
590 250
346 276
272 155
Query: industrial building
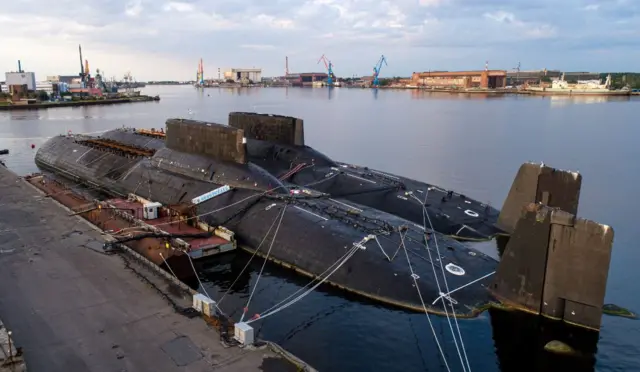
516 78
240 75
21 78
308 78
46 86
69 79
486 79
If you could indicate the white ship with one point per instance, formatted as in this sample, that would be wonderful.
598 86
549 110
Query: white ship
582 87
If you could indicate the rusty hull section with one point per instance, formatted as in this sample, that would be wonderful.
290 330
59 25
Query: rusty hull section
556 265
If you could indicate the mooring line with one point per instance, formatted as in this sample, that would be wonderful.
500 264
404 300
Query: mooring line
275 234
415 282
356 246
313 280
425 213
251 258
462 286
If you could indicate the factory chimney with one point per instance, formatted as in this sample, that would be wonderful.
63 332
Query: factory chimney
286 66
19 66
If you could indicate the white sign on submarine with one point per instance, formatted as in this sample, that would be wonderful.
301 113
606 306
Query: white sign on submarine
211 194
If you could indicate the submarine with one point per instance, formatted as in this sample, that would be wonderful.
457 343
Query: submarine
399 250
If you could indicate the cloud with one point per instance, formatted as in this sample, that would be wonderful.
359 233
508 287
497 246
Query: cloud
163 39
257 46
179 7
133 8
526 29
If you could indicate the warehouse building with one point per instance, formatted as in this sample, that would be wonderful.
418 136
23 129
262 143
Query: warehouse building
515 78
240 75
21 78
485 79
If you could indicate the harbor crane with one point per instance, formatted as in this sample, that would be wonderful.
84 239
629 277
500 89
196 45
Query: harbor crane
376 70
329 66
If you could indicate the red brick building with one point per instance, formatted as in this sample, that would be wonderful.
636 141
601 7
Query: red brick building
487 79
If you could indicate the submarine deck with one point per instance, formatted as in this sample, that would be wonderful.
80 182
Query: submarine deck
73 309
172 226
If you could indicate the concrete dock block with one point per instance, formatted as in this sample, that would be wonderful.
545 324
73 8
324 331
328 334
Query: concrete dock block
198 301
208 307
243 333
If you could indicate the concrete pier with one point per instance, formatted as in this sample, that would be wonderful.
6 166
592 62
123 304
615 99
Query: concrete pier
71 307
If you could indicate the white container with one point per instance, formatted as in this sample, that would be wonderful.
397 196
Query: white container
150 210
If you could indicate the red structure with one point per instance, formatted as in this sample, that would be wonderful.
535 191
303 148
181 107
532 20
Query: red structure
487 79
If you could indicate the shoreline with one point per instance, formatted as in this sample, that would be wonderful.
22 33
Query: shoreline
47 105
491 92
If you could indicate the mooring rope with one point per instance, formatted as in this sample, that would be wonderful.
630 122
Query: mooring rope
275 234
318 277
415 282
195 272
351 252
463 286
251 258
169 267
425 217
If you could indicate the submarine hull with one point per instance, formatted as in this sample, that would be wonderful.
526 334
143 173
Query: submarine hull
451 213
314 234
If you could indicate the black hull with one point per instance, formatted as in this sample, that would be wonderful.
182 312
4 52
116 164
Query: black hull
314 233
451 213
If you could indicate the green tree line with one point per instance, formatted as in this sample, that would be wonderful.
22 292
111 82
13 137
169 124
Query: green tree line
622 79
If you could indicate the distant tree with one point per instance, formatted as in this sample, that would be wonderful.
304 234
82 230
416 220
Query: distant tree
42 95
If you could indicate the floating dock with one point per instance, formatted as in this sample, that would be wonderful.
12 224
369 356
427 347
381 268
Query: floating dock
161 234
71 307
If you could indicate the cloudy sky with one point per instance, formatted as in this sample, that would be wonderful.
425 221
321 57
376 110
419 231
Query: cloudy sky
161 39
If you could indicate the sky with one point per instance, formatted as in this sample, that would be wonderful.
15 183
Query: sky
164 40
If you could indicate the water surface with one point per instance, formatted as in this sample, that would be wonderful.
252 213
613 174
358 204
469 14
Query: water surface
469 143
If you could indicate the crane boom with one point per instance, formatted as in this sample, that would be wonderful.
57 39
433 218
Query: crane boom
376 70
329 66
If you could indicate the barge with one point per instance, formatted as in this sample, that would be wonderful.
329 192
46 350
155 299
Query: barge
396 245
161 234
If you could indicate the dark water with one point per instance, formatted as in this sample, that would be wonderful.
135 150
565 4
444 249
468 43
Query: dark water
471 144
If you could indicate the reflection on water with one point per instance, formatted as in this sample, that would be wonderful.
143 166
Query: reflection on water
426 94
560 101
521 337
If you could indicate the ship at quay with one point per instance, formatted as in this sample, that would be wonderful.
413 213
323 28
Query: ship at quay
386 237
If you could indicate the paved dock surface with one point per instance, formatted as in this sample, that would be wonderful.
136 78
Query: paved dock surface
72 308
